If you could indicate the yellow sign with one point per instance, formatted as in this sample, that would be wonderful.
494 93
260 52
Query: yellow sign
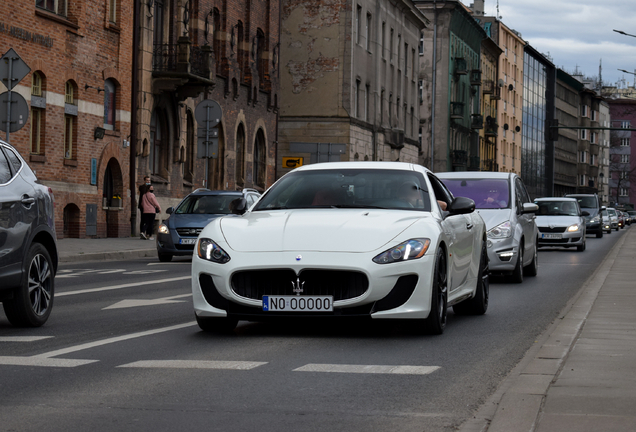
292 162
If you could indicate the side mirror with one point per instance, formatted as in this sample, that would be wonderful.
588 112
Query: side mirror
169 210
238 206
584 213
529 208
461 205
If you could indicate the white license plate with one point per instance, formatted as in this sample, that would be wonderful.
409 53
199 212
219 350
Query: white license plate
298 303
187 241
551 236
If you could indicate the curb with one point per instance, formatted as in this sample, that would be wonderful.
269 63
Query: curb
108 256
517 404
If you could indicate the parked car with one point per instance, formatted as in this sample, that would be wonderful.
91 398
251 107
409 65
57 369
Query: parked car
344 239
504 204
613 218
607 221
626 218
561 223
621 219
28 248
591 204
178 234
632 216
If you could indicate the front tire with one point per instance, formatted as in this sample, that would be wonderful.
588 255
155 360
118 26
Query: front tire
33 301
436 321
517 273
478 305
217 325
163 257
599 233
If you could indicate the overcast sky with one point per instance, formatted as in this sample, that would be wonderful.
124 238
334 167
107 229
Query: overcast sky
576 33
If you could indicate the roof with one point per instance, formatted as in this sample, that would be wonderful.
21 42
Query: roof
361 165
474 175
556 199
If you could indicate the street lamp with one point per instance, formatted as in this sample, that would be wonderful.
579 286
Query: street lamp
623 70
623 33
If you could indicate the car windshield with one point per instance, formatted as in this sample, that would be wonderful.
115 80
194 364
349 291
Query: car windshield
557 208
587 202
487 193
612 212
348 188
206 204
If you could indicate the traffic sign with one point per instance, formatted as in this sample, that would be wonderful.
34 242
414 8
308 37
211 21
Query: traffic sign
19 112
205 117
12 69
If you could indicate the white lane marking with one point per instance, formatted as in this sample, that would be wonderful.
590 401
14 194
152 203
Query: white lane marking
114 287
169 263
372 369
112 340
146 302
194 364
69 274
44 362
23 338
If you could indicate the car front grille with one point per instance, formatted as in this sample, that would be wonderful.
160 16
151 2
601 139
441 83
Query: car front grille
342 285
552 230
189 232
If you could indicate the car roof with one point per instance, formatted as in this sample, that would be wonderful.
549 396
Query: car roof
556 199
362 165
581 195
203 191
474 175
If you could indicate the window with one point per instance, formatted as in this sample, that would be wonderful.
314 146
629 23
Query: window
68 93
584 134
624 142
36 84
406 58
240 155
624 175
391 46
69 137
399 52
420 91
55 6
260 161
582 180
421 46
367 32
109 104
625 124
583 157
383 37
36 131
624 192
112 12
584 111
593 137
356 100
358 24
594 115
367 91
624 158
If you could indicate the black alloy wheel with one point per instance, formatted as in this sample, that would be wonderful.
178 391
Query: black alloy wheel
436 321
33 301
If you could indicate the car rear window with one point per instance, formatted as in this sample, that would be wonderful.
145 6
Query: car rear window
587 202
206 204
487 193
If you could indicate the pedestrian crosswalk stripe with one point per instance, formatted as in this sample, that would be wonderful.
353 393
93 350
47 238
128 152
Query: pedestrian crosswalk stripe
195 364
42 361
23 338
369 369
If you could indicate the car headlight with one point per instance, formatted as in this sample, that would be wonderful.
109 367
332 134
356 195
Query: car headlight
409 250
208 250
163 229
573 228
595 219
503 230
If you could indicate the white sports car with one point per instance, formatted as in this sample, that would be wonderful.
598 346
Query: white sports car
365 239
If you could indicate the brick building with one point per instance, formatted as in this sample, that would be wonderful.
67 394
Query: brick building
78 93
209 49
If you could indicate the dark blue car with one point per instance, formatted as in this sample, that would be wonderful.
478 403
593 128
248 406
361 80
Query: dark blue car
178 234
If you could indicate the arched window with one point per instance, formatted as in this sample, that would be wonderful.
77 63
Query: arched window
109 104
38 104
260 160
240 156
70 121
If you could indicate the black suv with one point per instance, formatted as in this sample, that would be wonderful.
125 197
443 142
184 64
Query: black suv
28 249
178 234
591 204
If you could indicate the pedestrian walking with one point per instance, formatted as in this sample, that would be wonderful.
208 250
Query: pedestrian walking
150 208
143 188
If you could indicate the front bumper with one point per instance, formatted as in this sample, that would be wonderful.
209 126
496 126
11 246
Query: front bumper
166 244
502 254
568 239
395 291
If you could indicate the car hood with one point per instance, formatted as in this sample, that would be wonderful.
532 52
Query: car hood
493 217
557 221
323 230
191 220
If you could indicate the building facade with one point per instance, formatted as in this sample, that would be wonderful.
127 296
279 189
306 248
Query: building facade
490 94
194 51
78 92
622 166
567 145
451 64
537 146
349 82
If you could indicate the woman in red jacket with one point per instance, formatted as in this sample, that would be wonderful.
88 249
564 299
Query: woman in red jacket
150 208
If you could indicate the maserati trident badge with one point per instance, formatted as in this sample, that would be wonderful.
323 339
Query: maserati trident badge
297 286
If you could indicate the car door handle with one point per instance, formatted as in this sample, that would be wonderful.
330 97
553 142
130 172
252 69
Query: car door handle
469 226
27 200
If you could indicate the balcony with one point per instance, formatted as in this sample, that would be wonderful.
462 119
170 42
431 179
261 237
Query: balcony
489 165
488 87
496 94
459 158
182 68
475 77
457 110
460 66
491 127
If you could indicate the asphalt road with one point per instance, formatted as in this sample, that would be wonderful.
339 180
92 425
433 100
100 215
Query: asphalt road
121 351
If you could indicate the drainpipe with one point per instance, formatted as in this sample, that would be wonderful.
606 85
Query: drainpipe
133 120
432 167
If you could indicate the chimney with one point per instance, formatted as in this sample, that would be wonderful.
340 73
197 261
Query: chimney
477 8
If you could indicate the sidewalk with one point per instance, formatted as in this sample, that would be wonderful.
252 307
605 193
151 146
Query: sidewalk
581 374
75 250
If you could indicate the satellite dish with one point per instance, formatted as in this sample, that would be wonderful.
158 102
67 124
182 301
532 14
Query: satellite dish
505 126
518 129
511 87
501 82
